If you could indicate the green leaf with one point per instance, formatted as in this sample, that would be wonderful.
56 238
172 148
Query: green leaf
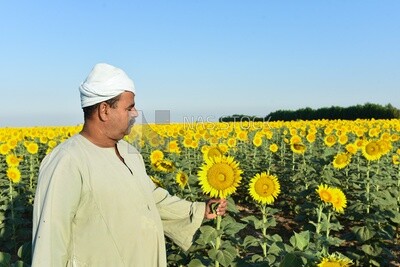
230 227
196 263
208 234
232 208
274 249
257 223
5 259
363 233
300 240
19 264
25 252
371 250
225 255
396 218
275 238
250 241
291 260
257 258
334 241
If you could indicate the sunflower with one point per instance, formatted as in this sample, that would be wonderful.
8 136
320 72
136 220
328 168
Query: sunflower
372 151
155 140
220 176
43 139
351 148
32 148
182 179
325 193
269 134
343 139
373 132
311 137
330 140
242 136
14 174
386 136
211 152
156 181
360 143
394 137
384 146
231 142
273 148
295 139
293 131
264 188
298 148
4 149
396 159
12 143
12 160
194 144
187 142
223 148
335 260
51 144
341 160
164 165
339 200
257 141
156 156
174 147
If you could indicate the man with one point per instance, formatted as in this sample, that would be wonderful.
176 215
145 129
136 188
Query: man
94 203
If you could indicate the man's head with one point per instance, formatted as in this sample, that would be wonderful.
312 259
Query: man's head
107 100
103 83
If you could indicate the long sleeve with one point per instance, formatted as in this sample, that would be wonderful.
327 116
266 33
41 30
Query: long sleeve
181 219
56 200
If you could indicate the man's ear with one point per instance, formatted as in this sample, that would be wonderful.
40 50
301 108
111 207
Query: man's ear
103 110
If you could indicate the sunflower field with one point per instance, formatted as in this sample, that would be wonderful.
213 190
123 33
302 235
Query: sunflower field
301 193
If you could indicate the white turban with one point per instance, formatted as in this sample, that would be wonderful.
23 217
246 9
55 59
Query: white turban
104 82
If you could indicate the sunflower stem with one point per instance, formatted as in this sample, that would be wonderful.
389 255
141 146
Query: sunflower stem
264 230
378 168
325 250
398 186
13 237
319 213
328 225
293 162
318 227
218 239
358 167
367 187
283 148
31 171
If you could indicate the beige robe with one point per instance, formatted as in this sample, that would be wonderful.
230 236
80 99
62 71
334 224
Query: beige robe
91 209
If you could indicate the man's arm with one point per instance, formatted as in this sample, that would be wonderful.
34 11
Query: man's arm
56 200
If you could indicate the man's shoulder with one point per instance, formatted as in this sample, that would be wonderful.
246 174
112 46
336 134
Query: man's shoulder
66 151
70 146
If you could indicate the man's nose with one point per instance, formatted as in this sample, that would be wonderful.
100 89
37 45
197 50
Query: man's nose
134 113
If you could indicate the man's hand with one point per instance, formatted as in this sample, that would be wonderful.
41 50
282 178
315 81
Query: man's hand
215 207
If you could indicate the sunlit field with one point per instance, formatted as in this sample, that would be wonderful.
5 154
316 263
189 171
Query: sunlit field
303 193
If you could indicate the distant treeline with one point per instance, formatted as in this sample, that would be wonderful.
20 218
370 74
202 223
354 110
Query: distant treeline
366 111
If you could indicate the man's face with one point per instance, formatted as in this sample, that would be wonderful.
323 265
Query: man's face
122 117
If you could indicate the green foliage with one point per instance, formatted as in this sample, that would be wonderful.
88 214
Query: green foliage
366 111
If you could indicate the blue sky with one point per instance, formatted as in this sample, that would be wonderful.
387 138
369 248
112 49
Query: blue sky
198 59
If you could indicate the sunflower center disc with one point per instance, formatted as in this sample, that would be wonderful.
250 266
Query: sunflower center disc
265 188
221 177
